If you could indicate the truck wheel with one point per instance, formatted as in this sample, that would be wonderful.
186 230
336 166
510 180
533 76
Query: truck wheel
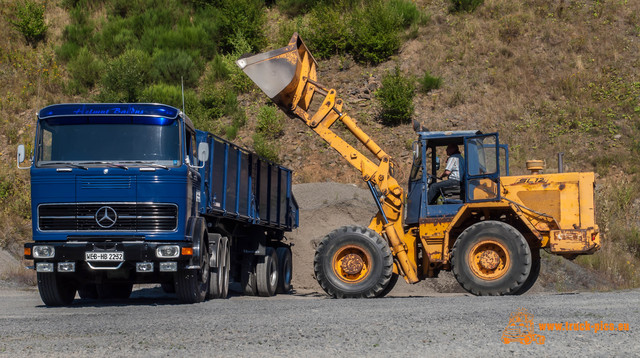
285 269
55 291
88 292
533 275
491 258
353 262
168 287
219 281
192 286
267 273
248 276
119 291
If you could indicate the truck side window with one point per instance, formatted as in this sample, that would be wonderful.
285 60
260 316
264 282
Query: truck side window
191 148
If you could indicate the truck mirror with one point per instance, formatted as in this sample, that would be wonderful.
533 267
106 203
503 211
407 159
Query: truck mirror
203 152
20 157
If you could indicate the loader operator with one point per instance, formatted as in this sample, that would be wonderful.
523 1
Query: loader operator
452 172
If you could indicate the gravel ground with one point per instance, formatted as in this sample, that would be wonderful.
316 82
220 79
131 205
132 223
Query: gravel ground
153 324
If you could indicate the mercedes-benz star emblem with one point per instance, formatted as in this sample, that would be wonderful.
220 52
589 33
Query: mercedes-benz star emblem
106 217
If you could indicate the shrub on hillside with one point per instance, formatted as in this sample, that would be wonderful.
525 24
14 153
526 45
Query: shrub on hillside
126 76
464 5
270 122
29 20
266 148
429 82
85 70
396 98
171 95
244 18
376 29
295 8
328 32
173 66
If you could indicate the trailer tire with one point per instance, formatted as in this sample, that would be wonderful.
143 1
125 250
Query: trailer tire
267 273
285 269
119 291
353 262
491 258
192 286
53 290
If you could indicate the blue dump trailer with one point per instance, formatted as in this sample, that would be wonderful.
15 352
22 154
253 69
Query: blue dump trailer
133 193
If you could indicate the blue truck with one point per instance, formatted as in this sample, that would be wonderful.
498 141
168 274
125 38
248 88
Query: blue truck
133 193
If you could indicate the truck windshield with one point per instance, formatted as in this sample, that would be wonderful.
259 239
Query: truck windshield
132 142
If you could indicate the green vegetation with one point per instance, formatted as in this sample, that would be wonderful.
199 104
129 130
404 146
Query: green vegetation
464 5
29 20
396 98
270 127
429 82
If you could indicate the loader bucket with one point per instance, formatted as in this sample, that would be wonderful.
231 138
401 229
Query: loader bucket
282 74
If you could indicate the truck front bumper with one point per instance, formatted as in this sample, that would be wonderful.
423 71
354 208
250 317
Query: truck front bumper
137 261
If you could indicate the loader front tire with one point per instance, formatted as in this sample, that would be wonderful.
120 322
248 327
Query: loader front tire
353 262
491 258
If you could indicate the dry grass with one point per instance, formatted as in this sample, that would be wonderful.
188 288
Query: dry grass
20 275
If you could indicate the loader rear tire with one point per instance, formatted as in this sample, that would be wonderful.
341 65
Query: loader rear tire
353 262
533 275
491 258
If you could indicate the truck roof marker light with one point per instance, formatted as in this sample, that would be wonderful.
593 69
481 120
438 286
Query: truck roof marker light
187 251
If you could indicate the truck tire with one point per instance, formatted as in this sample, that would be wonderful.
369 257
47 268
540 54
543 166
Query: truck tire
491 258
248 276
219 281
533 275
118 291
285 269
267 274
168 287
55 291
88 292
353 262
192 286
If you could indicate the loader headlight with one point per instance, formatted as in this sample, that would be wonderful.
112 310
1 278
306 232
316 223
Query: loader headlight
43 252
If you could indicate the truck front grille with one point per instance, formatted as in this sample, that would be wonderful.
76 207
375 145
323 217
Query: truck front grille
84 217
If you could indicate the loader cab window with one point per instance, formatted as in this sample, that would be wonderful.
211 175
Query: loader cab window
417 167
483 168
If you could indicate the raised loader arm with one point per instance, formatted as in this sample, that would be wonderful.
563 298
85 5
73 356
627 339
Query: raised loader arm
288 76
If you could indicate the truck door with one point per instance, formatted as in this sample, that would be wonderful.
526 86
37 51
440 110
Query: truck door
193 184
482 175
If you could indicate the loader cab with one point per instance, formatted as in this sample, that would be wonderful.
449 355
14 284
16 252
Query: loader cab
479 171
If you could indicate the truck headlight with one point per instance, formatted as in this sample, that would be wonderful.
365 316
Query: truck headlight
168 251
43 252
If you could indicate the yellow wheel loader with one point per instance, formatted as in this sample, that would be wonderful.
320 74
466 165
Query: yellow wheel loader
489 231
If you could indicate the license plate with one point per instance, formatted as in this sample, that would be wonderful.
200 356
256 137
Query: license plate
104 256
